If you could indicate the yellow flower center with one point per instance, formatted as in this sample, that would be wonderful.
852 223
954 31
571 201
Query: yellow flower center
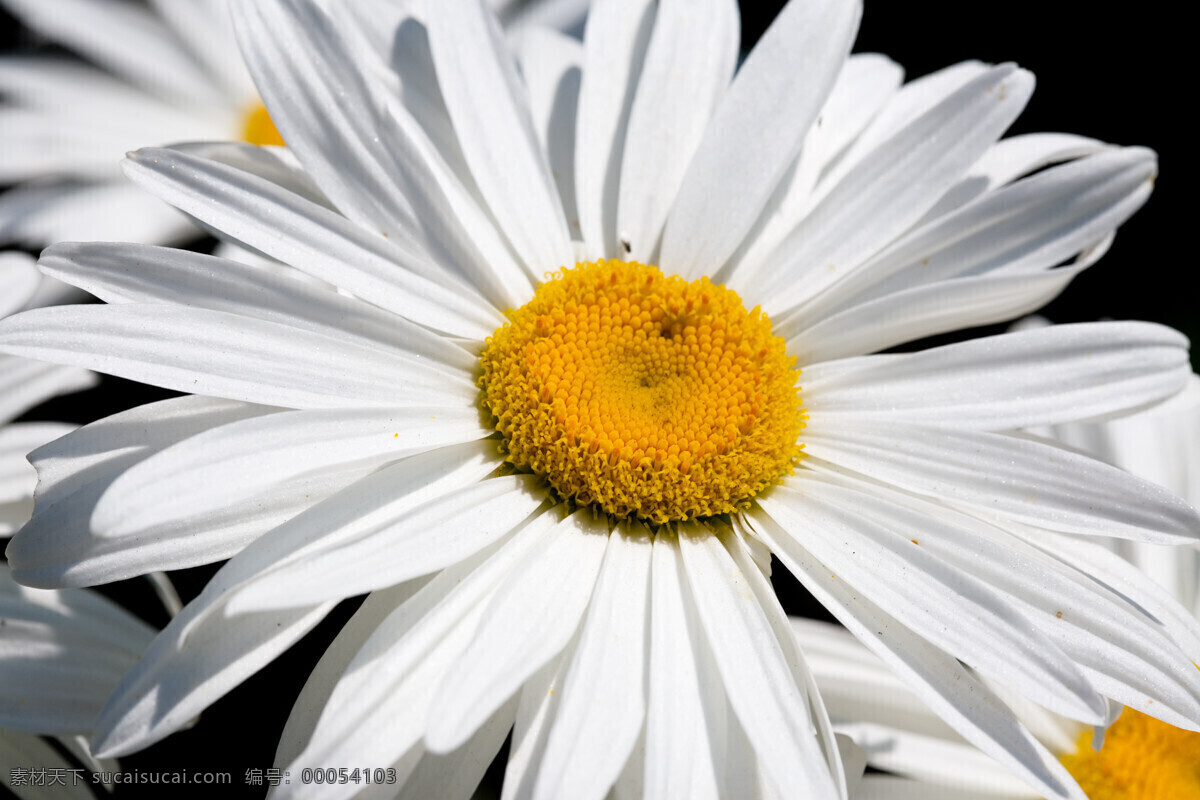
1142 759
258 127
644 395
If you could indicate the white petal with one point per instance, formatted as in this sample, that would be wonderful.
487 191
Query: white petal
14 515
17 477
1096 563
888 787
489 105
939 680
302 720
1156 444
379 708
19 279
67 119
456 776
531 729
888 190
615 42
25 383
203 653
773 710
408 59
24 750
371 157
864 86
857 685
740 546
603 702
756 133
533 615
854 758
204 26
38 82
1026 227
936 760
57 547
689 63
1014 380
177 678
1123 652
866 542
406 494
61 655
873 705
1011 158
240 459
292 229
921 311
276 165
911 101
225 355
64 465
629 782
436 534
126 39
129 273
743 774
552 64
399 35
563 15
35 214
997 476
686 704
41 145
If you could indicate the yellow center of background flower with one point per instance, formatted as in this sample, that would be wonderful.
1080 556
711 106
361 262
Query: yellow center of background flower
258 127
642 394
1142 759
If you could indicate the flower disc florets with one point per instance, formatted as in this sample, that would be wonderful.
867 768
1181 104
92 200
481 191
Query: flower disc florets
644 395
1142 759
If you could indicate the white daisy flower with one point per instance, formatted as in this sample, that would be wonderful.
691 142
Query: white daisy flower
166 71
559 476
1137 757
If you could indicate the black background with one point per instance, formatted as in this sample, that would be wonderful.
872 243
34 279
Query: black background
1116 77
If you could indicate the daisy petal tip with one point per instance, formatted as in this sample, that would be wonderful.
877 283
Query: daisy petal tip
106 743
139 155
31 579
445 734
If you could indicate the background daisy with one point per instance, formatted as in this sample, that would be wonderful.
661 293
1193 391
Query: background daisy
156 72
163 72
922 759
